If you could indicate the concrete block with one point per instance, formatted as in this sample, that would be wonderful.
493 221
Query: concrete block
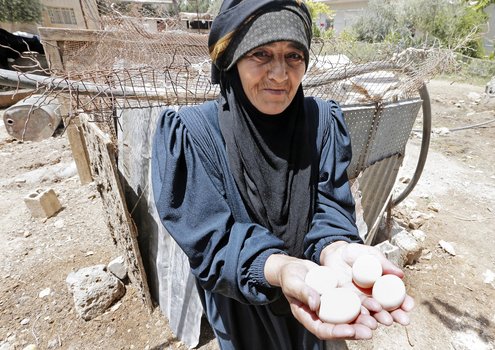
43 204
391 252
410 247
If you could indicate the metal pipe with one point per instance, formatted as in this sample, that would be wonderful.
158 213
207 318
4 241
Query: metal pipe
425 144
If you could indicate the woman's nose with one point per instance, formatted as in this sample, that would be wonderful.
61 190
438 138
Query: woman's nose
278 70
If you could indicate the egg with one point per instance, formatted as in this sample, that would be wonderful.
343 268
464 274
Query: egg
339 305
321 279
366 270
389 291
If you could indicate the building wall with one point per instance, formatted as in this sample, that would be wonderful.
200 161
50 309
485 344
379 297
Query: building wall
70 14
346 12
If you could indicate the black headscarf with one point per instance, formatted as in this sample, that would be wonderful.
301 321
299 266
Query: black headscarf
234 29
270 157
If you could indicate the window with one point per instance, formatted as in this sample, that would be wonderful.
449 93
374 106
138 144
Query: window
62 15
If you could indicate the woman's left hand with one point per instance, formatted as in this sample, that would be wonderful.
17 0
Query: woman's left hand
340 256
289 274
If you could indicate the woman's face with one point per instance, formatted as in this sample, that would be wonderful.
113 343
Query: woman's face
271 74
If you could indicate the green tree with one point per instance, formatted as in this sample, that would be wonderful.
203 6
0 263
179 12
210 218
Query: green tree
20 11
481 4
316 9
454 24
214 7
199 6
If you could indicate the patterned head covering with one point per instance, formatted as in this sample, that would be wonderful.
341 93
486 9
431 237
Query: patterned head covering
244 25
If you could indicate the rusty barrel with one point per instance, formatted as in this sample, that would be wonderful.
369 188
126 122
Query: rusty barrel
34 118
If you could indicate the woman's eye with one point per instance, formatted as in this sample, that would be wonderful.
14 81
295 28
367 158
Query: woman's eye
295 57
260 54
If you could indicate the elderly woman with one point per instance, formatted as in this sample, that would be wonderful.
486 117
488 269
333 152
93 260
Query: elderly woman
253 187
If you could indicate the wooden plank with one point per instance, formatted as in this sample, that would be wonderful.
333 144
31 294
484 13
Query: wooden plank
122 228
70 34
52 54
79 150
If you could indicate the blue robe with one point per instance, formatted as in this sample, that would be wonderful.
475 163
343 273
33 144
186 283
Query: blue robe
200 206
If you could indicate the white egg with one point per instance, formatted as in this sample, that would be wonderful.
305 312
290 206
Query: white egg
366 270
321 279
339 305
389 291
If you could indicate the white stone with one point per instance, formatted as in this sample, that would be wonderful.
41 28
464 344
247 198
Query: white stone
419 235
474 96
118 268
59 223
30 347
44 293
489 277
447 246
94 290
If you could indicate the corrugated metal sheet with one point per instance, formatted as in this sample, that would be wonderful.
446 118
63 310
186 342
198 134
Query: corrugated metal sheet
376 185
379 134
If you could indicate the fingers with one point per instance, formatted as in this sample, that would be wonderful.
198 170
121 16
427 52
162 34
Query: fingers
400 316
362 329
384 318
367 320
408 303
371 304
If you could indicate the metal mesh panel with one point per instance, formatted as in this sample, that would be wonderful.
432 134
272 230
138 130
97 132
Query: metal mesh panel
393 129
359 120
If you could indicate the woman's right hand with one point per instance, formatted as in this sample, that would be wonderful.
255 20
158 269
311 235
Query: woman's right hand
289 274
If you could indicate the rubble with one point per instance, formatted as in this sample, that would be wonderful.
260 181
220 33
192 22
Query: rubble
117 267
390 251
448 247
94 290
410 248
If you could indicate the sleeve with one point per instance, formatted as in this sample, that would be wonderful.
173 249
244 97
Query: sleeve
226 257
334 218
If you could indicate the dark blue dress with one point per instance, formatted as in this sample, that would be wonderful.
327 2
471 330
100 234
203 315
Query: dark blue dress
200 206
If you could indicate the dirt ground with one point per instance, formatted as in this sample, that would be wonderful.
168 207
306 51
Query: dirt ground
454 294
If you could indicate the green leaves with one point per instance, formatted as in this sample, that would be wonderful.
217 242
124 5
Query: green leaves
20 10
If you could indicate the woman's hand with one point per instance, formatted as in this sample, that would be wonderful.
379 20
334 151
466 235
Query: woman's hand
289 274
341 255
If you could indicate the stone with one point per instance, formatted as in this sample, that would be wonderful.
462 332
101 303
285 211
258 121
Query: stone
44 293
419 235
490 87
434 206
474 96
410 248
43 204
30 347
447 246
391 252
54 344
117 267
94 290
